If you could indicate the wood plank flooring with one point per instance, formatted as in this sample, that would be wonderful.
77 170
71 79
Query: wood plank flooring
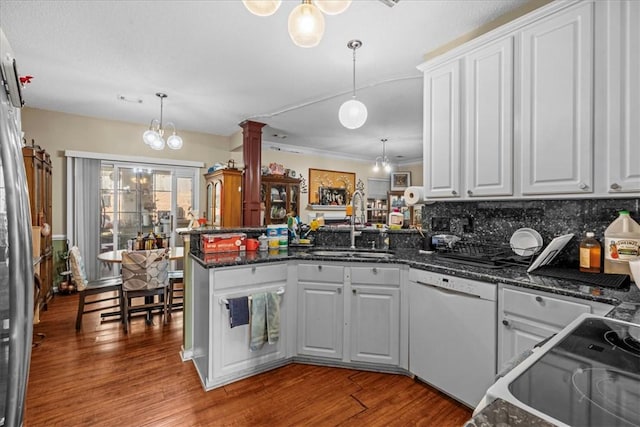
102 377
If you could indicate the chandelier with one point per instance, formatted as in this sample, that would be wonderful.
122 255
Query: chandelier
353 113
382 161
154 136
306 22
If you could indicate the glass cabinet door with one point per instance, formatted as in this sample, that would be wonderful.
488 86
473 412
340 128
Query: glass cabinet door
294 197
209 203
278 197
217 203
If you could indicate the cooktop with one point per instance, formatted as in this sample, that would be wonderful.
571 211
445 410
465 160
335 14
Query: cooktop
589 378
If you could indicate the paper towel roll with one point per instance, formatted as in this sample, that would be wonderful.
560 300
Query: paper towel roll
415 195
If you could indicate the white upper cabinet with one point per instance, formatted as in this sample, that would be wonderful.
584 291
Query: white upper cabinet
622 97
442 113
557 102
489 123
529 110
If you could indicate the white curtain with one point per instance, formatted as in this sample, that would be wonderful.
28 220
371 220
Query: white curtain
86 212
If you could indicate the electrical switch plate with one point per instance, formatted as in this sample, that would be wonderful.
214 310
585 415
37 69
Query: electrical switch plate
440 224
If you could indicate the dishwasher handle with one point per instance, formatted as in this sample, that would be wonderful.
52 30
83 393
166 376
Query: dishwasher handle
449 291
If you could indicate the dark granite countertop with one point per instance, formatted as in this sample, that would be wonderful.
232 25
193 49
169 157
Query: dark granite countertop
503 413
627 303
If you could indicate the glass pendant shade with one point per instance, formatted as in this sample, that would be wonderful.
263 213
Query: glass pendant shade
262 7
174 142
376 167
352 114
157 144
150 136
306 25
332 7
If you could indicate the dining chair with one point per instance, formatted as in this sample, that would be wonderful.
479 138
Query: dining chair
88 288
145 274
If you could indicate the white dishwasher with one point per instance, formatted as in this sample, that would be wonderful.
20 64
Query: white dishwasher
452 334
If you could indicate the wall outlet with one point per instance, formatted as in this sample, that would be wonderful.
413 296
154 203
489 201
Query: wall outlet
467 224
440 223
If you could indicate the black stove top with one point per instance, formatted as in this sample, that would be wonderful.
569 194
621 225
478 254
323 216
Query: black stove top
590 378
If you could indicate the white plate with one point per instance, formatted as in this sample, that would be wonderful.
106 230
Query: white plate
526 241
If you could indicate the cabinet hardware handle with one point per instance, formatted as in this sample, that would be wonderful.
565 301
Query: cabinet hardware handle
319 267
505 322
615 186
339 291
353 291
253 269
584 186
454 192
375 270
539 299
469 192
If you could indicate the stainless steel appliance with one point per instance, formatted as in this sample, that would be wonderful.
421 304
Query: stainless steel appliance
587 375
16 261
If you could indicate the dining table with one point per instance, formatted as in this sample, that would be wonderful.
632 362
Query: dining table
115 257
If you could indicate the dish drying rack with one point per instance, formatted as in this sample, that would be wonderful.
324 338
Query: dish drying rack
486 254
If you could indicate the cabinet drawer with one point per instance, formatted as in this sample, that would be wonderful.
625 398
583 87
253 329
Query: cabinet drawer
250 275
375 275
320 273
547 309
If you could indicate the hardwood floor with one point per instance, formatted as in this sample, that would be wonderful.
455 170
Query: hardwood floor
102 377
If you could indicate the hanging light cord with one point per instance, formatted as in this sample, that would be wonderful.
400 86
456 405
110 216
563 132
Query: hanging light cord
354 73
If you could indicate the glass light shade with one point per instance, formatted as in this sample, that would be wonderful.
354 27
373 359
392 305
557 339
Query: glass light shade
262 7
306 25
174 142
352 114
150 136
332 7
387 168
157 144
376 167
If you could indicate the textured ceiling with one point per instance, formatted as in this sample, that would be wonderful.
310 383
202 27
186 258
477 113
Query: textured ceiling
221 65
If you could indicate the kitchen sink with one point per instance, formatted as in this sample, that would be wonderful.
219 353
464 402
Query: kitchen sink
351 253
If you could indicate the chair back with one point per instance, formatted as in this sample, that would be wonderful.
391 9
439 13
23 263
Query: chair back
78 273
144 270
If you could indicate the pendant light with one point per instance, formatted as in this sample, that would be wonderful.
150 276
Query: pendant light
153 137
306 25
353 113
382 161
262 7
332 7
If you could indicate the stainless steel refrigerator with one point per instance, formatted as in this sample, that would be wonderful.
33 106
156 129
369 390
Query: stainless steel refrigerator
16 259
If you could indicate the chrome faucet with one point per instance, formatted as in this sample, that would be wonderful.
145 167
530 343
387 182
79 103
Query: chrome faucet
355 233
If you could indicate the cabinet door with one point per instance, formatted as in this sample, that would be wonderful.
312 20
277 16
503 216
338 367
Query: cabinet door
375 324
557 103
624 136
517 336
489 124
442 131
320 319
231 353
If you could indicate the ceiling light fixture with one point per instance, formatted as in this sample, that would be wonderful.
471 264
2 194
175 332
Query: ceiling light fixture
262 7
154 136
306 22
353 113
382 161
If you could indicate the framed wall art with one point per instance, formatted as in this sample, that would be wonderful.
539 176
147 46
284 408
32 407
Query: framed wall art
400 180
327 187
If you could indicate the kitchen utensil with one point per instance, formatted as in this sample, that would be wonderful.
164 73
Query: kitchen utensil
526 241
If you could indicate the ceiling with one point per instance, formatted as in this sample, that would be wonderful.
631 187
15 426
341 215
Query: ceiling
221 65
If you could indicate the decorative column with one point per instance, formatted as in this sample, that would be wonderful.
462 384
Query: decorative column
252 156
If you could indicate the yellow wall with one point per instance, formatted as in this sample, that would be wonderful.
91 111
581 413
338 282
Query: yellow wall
57 132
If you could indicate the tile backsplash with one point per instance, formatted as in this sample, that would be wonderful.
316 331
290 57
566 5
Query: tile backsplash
496 221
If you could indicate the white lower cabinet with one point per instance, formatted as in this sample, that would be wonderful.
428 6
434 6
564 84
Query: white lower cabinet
375 315
526 317
221 353
349 313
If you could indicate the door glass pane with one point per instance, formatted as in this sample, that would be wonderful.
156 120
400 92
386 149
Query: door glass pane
184 203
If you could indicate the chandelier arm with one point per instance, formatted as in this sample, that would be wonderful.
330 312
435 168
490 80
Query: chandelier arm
157 124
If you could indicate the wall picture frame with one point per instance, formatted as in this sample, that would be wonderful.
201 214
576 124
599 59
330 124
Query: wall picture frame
400 180
334 180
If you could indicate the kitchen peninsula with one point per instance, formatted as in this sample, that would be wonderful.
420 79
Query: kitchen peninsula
341 286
